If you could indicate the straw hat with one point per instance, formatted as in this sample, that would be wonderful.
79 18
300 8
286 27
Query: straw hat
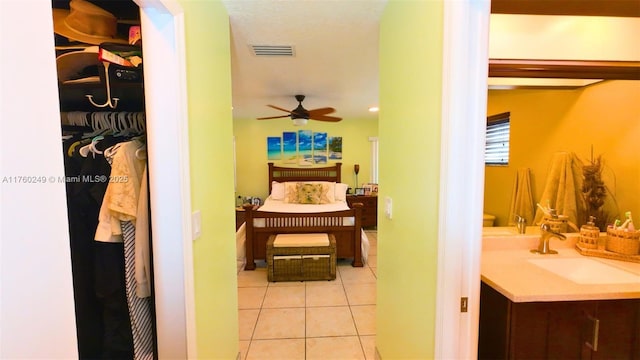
87 23
79 66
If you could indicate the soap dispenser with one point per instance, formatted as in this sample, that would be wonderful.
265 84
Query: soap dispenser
589 234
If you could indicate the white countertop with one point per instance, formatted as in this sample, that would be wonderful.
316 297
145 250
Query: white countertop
506 268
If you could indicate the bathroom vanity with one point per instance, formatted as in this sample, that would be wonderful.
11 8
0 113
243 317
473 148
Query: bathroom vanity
562 306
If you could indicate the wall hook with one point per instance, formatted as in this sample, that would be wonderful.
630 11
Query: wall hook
112 103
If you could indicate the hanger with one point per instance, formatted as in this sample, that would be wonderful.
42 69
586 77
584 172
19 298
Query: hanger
112 103
97 124
141 152
91 148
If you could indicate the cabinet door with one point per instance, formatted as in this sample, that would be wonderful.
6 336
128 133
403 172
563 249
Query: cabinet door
493 327
557 330
618 334
547 330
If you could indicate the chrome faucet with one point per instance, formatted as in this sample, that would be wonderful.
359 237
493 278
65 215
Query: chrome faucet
521 224
546 235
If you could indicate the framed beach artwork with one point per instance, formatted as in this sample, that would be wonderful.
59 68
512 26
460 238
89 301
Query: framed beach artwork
319 147
335 147
305 151
274 148
289 147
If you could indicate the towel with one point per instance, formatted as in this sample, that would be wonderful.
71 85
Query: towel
563 189
521 197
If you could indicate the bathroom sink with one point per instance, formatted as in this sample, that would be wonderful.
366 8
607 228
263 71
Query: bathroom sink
586 271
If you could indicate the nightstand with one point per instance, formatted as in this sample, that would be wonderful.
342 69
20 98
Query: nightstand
369 208
239 217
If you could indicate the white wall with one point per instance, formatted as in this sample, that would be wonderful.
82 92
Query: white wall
36 294
563 37
37 317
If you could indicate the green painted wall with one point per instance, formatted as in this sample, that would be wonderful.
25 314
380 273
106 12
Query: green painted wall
210 145
251 149
409 125
605 115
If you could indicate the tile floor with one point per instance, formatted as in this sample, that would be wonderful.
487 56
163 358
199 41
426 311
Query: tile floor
312 319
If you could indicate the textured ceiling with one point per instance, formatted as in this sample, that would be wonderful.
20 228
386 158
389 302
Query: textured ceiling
335 62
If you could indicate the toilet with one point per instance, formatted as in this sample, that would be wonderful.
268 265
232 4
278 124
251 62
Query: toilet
488 220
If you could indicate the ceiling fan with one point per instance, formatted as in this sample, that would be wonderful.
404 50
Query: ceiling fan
300 115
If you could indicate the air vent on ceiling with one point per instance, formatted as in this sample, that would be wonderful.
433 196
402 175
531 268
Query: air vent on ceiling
272 50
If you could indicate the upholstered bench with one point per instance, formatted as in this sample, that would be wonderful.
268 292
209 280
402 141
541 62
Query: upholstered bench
299 257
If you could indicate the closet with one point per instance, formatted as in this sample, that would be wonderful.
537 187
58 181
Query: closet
101 91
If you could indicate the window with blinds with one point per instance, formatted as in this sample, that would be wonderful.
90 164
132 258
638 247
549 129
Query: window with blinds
496 151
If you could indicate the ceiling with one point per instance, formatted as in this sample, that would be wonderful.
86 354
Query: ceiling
333 62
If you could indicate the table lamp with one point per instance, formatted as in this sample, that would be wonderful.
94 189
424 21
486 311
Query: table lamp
356 169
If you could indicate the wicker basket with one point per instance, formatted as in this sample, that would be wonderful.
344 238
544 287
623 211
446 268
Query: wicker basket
623 242
301 263
558 224
589 236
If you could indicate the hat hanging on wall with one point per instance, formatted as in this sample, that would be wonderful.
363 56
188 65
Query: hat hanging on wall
86 22
79 66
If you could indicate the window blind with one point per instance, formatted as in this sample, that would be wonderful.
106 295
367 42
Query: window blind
497 140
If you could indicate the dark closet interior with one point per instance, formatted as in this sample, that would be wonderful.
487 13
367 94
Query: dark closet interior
101 91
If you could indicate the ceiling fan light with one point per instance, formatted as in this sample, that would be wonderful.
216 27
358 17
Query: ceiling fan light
299 121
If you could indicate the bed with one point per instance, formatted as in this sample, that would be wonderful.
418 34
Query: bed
277 216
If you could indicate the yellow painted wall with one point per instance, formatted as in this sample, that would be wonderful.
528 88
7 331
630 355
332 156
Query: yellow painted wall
409 125
210 146
605 116
251 149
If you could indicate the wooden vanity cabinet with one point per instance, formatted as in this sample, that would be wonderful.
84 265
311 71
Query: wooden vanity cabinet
557 329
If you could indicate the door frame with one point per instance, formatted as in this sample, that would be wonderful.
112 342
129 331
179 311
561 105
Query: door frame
163 42
464 102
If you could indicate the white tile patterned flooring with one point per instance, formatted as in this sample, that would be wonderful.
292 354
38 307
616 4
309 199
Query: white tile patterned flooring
311 319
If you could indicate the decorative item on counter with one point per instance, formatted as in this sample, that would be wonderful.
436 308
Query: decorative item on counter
557 223
599 201
589 234
624 238
627 224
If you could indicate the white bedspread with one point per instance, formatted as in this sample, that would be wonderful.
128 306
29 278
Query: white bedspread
280 206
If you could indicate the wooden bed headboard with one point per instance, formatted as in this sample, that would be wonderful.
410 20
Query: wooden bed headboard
283 174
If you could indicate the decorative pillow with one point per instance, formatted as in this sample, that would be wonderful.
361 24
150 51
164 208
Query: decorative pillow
341 191
291 192
309 193
328 193
277 190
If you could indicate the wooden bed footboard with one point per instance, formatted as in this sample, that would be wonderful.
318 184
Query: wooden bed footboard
261 224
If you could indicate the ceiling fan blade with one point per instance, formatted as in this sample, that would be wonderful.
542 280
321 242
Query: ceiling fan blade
279 108
273 117
325 118
321 111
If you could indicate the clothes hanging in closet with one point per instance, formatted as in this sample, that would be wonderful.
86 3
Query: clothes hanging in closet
102 193
98 276
122 205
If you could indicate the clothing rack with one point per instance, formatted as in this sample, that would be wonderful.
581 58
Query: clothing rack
104 120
